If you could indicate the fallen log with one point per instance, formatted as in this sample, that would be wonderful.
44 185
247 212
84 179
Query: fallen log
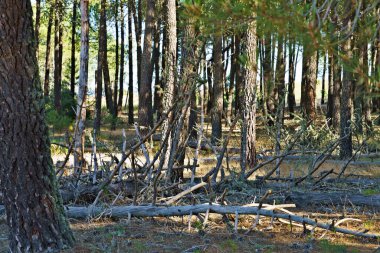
304 199
161 211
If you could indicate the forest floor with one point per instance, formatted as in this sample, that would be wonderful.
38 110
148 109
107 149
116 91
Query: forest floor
173 234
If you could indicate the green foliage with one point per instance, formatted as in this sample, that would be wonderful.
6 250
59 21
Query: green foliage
230 245
57 120
327 247
64 119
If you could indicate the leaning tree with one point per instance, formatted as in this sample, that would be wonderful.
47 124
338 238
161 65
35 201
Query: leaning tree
34 209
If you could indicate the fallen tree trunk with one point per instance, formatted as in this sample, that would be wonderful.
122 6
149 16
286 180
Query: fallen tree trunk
303 199
160 211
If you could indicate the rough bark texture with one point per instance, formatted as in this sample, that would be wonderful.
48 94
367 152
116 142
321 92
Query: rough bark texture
217 104
169 73
145 92
248 132
47 54
34 209
82 92
346 103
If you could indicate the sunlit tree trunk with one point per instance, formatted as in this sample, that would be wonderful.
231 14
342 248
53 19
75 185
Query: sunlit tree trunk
145 92
248 131
79 162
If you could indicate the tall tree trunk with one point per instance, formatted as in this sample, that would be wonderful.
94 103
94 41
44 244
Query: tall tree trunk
292 61
311 86
157 106
217 104
346 98
234 62
58 55
324 78
169 73
47 54
248 131
116 80
122 55
145 92
336 90
37 25
239 75
33 205
103 44
330 95
79 162
73 32
130 64
268 82
137 18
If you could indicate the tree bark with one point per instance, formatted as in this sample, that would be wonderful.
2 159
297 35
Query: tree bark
292 61
130 64
346 100
73 33
117 59
34 209
58 55
145 92
47 54
37 25
217 104
157 105
324 78
248 131
169 74
104 57
122 55
79 137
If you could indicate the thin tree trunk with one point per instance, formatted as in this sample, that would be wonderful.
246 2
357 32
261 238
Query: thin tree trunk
330 88
122 55
37 25
130 64
58 56
239 77
103 44
116 80
291 95
217 105
79 162
47 54
73 32
157 106
145 92
137 18
34 210
346 98
324 78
